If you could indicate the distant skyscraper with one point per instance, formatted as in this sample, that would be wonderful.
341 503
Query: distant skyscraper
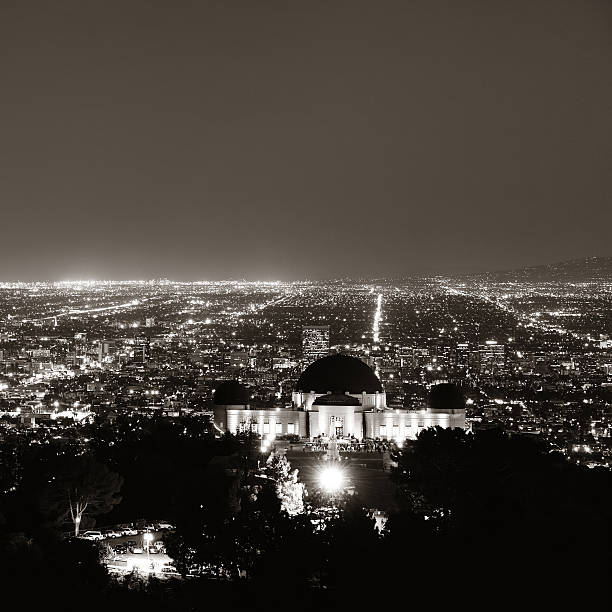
492 357
141 349
462 356
315 342
105 349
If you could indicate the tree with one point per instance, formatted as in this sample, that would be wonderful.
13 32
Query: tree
494 503
289 491
179 550
84 485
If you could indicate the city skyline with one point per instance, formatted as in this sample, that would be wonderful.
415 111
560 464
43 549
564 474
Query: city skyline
566 269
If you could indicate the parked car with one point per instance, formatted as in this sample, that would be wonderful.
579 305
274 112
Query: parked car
92 535
137 550
120 549
131 544
164 526
111 533
129 531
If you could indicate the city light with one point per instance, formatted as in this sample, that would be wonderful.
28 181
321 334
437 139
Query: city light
377 318
331 479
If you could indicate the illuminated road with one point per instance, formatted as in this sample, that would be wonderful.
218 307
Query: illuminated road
377 318
524 318
85 311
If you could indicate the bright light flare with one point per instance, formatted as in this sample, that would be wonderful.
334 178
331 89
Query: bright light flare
331 479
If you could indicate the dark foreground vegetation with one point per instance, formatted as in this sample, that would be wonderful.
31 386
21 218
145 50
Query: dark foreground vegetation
485 521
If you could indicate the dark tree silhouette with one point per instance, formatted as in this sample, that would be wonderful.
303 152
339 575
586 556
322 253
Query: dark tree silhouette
499 504
84 486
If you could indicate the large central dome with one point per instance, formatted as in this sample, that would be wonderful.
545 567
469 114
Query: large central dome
338 373
446 396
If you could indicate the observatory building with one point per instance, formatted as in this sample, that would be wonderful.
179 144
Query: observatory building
338 396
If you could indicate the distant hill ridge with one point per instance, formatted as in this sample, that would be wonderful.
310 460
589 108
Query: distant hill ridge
584 269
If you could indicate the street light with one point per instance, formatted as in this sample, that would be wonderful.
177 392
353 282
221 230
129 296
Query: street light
148 538
331 479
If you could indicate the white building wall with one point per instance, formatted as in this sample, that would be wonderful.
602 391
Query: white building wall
264 422
368 400
320 420
220 414
388 424
407 424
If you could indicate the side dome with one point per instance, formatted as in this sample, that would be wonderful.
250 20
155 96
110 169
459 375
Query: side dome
446 396
338 374
231 393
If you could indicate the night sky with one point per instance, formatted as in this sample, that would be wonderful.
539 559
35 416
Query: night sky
286 140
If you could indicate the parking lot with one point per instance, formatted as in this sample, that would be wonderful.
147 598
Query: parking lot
149 561
128 553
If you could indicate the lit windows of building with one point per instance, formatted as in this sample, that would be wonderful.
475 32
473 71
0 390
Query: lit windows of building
315 342
492 357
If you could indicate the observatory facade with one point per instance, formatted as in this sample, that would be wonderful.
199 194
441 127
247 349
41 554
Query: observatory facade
338 396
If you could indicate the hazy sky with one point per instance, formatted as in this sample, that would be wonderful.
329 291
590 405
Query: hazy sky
269 139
